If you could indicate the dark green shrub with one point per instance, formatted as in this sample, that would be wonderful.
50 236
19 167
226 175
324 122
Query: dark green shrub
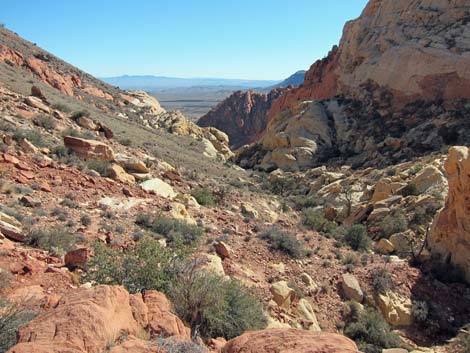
170 346
356 237
315 219
55 240
32 136
175 231
85 220
146 266
69 203
12 317
61 107
283 241
79 114
212 305
301 202
370 331
382 281
98 165
392 224
410 190
281 185
204 196
46 122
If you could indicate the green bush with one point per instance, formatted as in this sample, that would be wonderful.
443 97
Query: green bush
370 331
79 114
146 266
12 317
392 224
314 219
98 165
85 220
172 346
55 240
61 107
46 122
356 237
410 190
175 231
302 202
382 281
204 196
32 136
283 241
281 185
212 305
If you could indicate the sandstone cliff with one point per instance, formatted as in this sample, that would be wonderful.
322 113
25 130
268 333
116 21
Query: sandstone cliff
416 49
242 116
397 86
450 237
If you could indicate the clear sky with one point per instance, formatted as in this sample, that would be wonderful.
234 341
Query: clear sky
246 39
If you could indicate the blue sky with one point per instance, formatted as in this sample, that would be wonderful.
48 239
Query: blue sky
248 39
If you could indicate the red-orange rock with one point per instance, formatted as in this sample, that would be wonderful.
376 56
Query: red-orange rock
77 258
290 341
89 149
160 319
9 55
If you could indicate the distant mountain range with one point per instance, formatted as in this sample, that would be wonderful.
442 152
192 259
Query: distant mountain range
294 80
154 83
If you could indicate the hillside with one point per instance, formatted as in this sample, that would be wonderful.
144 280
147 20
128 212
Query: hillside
344 227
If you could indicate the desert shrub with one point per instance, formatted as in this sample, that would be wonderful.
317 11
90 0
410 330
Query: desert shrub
314 219
56 240
420 311
32 136
382 281
61 107
85 220
416 169
67 202
213 306
280 186
78 114
392 224
12 317
125 142
170 346
370 331
356 237
98 165
46 122
146 266
410 190
301 202
175 231
60 151
283 241
204 196
351 259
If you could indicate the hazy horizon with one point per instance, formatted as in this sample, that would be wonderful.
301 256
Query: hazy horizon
249 40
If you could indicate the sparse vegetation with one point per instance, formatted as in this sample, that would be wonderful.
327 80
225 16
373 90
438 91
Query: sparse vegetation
281 185
56 240
357 238
45 121
204 196
392 224
61 107
382 281
213 306
283 241
175 231
314 219
12 316
369 330
410 190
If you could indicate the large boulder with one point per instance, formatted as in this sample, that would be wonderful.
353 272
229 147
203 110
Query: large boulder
351 288
283 295
89 149
116 172
395 308
88 320
450 236
290 341
158 187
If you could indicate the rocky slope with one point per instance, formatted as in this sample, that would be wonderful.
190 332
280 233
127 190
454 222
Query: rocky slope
397 86
242 116
19 57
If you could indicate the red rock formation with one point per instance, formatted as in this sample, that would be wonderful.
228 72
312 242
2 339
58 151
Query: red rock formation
242 116
10 55
290 341
87 320
415 49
